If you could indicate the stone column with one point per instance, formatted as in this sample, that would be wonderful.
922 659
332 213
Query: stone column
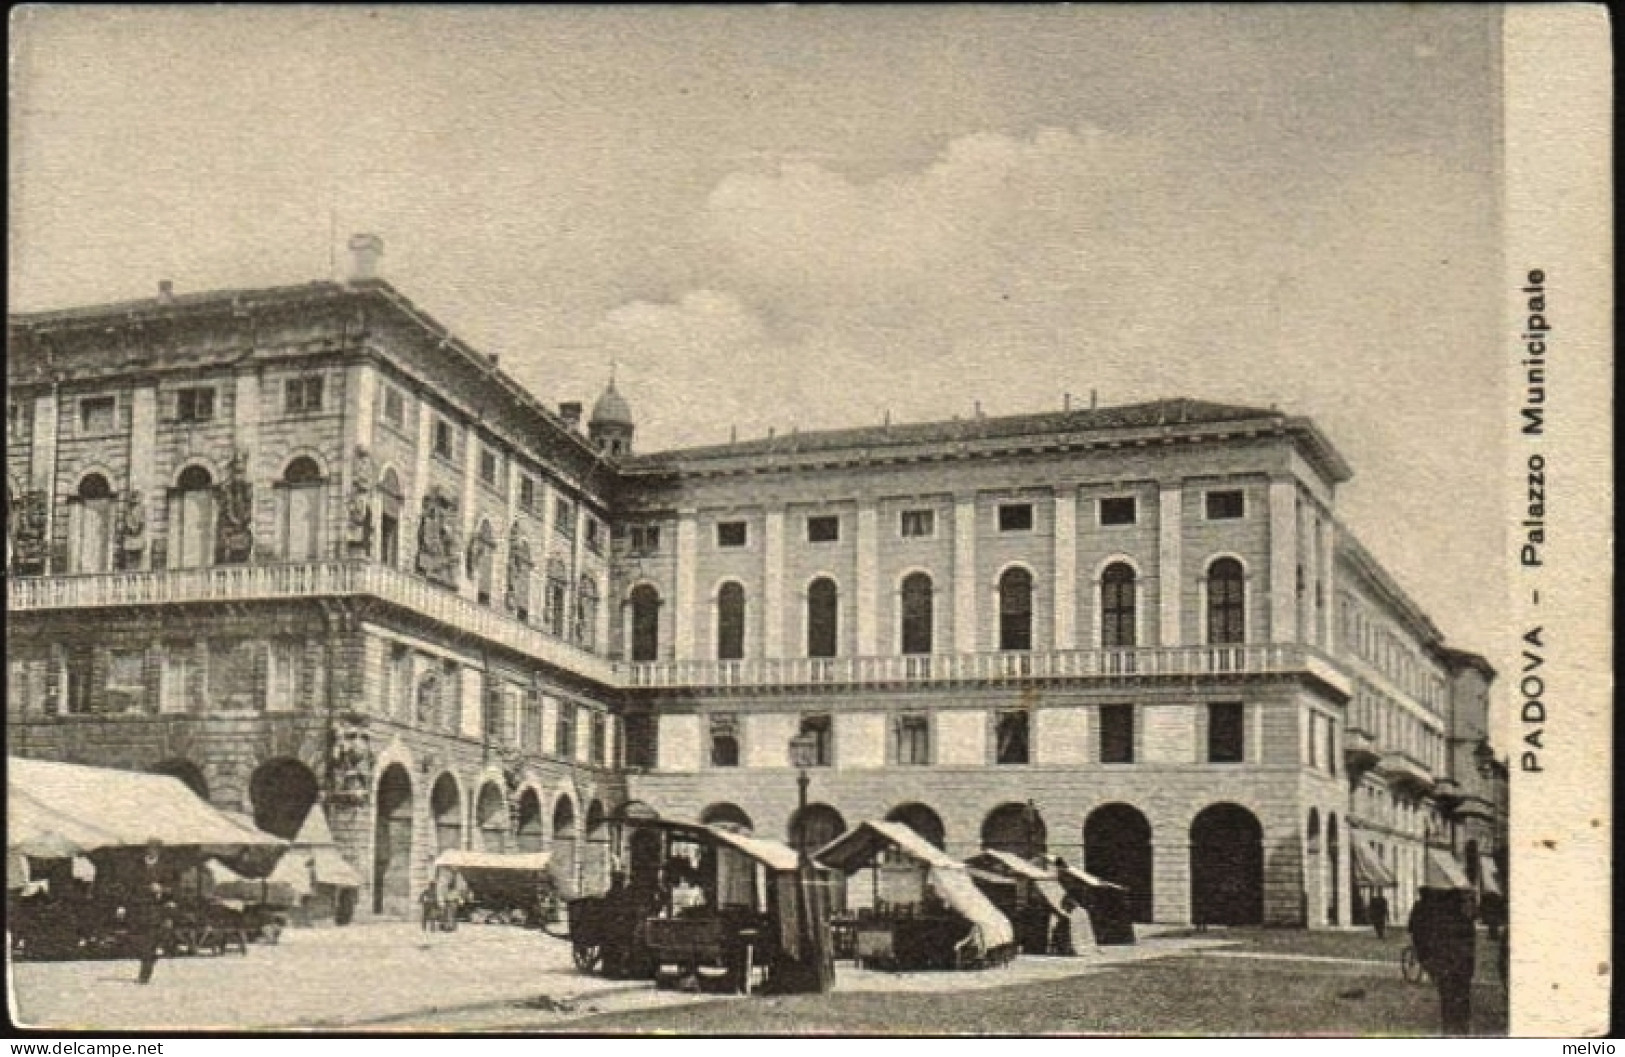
683 615
42 468
1328 582
868 565
966 596
1170 561
1283 576
143 460
1066 569
773 615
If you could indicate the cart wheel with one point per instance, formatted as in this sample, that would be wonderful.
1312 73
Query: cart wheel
587 955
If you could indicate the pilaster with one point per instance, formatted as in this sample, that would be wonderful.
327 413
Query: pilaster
965 593
1170 560
683 609
1066 569
868 543
1283 577
773 584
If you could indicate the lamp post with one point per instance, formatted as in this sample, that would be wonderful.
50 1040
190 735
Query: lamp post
803 754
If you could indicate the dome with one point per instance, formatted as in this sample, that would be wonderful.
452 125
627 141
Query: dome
611 409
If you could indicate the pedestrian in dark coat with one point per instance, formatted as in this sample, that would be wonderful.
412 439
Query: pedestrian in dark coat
1379 914
1444 939
149 915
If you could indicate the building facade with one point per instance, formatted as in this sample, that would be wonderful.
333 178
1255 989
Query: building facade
302 544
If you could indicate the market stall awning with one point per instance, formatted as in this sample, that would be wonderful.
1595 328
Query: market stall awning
327 866
1010 863
1369 870
460 859
1441 870
89 808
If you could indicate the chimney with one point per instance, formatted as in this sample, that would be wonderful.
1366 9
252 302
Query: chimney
364 253
570 411
166 292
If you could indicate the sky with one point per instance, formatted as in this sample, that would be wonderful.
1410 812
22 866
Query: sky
788 217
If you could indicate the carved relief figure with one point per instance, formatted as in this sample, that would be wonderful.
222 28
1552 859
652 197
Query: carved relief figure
131 530
234 530
437 539
352 759
29 534
517 595
359 530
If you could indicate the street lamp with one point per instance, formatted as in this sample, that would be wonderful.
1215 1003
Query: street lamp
803 754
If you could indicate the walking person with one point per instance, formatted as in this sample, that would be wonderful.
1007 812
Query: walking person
1444 936
149 913
1379 913
431 908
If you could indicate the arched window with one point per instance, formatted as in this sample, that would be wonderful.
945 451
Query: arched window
191 519
1016 609
917 613
730 622
91 523
645 623
1117 616
1226 603
301 521
823 617
586 631
389 519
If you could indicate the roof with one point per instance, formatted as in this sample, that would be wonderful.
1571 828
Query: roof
1179 415
315 832
53 807
1010 863
858 846
611 409
1459 659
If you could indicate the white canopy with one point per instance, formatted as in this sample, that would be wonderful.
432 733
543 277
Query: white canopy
857 847
460 859
315 842
1442 870
57 808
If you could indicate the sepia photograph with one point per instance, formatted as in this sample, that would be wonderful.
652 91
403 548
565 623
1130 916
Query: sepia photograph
949 520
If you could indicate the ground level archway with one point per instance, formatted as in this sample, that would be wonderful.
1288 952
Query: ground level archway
727 816
528 835
564 848
1227 866
491 818
1117 848
815 826
392 843
922 820
1015 828
446 808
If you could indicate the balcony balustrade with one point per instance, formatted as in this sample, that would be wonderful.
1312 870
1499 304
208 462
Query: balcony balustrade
245 583
945 668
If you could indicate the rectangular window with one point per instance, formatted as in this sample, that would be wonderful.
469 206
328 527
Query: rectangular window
232 682
442 439
1016 517
303 395
181 688
18 425
1119 510
1116 733
914 739
724 739
1227 505
822 730
530 723
731 534
98 414
564 517
600 738
595 535
527 492
640 741
645 539
919 524
78 672
826 528
488 466
394 407
1012 737
566 731
126 680
194 405
1226 732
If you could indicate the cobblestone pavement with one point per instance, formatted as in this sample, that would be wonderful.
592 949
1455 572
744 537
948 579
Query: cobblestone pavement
393 977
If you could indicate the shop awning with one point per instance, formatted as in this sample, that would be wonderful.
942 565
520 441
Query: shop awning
327 866
1442 870
64 807
1369 870
1010 863
1489 880
459 859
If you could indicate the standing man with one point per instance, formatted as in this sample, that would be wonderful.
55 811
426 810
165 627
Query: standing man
1379 913
1444 936
149 913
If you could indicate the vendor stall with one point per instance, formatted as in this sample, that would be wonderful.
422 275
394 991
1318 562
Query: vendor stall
498 887
1029 895
1111 918
926 912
